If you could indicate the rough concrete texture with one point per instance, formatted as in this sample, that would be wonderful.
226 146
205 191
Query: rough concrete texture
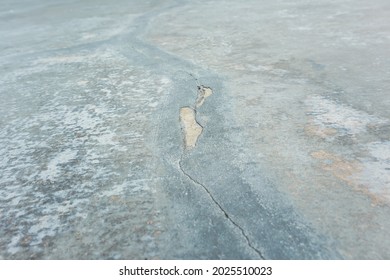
293 161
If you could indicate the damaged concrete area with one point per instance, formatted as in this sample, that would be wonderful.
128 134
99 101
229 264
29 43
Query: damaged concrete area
203 94
190 126
194 130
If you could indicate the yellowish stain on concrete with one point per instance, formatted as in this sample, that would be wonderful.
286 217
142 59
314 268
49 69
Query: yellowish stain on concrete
350 171
190 127
339 167
322 132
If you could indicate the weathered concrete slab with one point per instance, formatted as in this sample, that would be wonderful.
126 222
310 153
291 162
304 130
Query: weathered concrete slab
287 103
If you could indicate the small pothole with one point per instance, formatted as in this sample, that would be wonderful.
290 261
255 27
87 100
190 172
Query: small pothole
190 127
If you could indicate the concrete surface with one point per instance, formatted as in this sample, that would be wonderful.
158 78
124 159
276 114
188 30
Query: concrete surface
293 156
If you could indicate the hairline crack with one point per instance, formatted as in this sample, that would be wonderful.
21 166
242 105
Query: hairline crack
258 252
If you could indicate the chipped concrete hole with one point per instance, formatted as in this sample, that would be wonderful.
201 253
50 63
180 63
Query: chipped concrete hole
190 127
191 130
203 94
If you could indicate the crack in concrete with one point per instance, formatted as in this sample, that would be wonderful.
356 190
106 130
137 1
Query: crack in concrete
258 252
192 130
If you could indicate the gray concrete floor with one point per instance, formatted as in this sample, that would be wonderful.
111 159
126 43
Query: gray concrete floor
293 161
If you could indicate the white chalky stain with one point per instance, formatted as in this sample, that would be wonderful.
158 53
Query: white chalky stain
373 174
54 166
75 136
346 120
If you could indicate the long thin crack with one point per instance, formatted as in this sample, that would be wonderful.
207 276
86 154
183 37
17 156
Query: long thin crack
220 208
192 130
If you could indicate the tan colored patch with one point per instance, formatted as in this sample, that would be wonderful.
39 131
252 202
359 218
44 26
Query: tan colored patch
340 168
190 126
115 198
323 132
203 93
349 172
